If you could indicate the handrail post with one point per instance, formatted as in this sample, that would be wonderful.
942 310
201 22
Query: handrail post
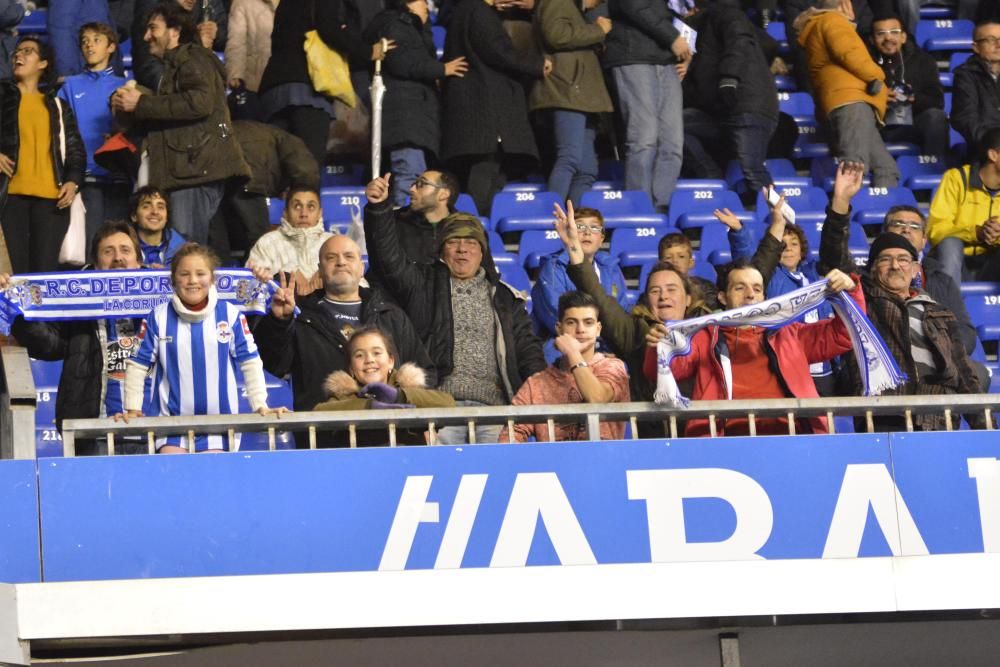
18 403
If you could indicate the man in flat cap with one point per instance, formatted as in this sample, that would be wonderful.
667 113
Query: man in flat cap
475 327
922 335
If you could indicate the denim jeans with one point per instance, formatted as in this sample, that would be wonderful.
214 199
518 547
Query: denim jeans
575 168
191 209
459 435
749 135
407 163
652 106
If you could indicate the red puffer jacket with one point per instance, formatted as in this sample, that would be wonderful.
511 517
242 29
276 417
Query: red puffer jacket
790 349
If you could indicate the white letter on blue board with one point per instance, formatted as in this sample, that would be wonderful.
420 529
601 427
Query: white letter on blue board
871 484
413 510
986 472
664 492
539 494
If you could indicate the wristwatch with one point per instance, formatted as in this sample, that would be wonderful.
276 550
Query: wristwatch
582 364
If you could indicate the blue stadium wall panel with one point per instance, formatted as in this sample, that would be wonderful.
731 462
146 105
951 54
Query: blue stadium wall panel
19 545
807 497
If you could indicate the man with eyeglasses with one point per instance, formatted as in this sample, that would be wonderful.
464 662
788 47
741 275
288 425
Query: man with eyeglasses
922 334
916 101
909 222
976 103
553 280
432 199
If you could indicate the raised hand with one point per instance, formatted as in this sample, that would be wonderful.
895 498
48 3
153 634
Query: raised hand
565 224
569 347
728 218
839 281
846 184
377 190
283 300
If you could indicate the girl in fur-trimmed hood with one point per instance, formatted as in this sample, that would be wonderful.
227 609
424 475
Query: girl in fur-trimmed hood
374 383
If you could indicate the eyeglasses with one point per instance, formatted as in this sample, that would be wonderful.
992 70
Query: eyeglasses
885 33
992 41
25 51
423 183
902 224
904 262
591 229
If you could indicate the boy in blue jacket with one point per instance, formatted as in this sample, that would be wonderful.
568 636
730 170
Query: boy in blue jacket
104 194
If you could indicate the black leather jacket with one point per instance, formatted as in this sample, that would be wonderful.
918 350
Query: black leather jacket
72 168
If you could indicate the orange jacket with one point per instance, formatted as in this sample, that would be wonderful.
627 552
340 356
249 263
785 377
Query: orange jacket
840 66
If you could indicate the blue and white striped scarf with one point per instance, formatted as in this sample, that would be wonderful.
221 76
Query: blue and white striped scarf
879 370
90 295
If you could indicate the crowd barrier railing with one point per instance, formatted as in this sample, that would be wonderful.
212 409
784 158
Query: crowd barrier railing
18 401
312 423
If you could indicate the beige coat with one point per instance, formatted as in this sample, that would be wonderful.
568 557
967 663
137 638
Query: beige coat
249 45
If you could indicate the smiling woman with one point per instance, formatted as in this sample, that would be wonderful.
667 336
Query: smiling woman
38 177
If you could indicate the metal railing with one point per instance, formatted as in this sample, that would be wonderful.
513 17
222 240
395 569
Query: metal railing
18 401
313 423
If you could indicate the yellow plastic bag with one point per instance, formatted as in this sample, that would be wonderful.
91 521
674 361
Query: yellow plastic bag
328 70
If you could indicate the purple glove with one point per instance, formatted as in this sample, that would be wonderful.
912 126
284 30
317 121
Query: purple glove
379 405
380 391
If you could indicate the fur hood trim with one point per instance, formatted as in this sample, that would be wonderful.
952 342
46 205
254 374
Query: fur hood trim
341 384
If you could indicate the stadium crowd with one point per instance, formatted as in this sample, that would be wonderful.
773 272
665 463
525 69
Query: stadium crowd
182 152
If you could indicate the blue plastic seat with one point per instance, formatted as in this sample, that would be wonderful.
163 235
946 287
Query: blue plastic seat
797 105
535 243
275 209
342 175
776 29
514 275
945 34
957 59
466 204
899 148
125 48
35 22
703 268
714 244
936 12
623 208
701 184
920 172
635 246
870 204
524 186
693 208
785 83
983 303
521 211
337 203
824 169
807 199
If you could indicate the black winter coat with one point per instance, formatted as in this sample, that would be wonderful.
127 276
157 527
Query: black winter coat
411 112
488 103
424 292
728 47
339 25
833 254
311 346
79 348
918 69
975 105
72 168
641 34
